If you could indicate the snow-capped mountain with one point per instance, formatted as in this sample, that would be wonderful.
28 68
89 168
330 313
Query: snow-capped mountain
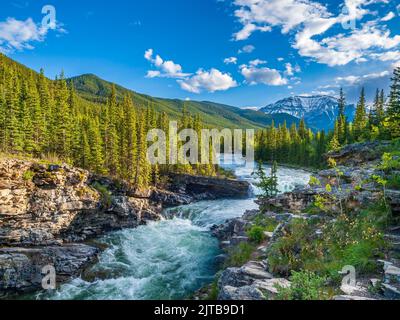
318 111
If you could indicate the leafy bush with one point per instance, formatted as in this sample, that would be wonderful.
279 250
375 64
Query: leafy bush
305 286
256 234
390 161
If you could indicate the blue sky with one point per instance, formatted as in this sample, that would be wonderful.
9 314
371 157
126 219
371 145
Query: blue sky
238 52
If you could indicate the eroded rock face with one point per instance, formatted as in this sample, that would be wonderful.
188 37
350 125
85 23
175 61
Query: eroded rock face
45 205
21 269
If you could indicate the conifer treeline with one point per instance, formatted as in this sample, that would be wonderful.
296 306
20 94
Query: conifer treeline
44 118
301 146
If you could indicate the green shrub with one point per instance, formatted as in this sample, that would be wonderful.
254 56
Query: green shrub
305 286
28 175
256 234
239 255
390 161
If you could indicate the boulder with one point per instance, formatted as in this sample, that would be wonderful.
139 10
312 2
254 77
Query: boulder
229 293
270 287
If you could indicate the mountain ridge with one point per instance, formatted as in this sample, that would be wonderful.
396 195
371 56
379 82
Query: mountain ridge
319 111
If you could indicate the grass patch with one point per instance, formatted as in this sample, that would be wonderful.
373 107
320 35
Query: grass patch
239 255
28 175
214 291
356 240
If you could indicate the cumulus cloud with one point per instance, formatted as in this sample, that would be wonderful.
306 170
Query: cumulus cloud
210 81
309 20
263 75
167 69
19 35
231 60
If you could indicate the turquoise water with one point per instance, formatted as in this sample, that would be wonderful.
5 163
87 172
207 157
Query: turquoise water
170 259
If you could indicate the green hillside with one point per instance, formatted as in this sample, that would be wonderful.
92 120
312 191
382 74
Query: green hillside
94 89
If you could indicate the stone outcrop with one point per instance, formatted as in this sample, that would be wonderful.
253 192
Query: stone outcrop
359 153
47 205
202 188
250 282
22 270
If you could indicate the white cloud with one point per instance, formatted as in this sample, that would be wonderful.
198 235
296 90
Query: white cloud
19 35
355 80
388 17
248 29
307 20
211 81
290 70
257 62
231 60
167 69
267 76
247 49
388 56
280 59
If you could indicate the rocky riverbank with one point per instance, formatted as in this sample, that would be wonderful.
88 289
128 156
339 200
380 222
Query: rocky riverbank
332 223
48 213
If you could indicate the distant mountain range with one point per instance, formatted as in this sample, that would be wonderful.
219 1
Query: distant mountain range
319 112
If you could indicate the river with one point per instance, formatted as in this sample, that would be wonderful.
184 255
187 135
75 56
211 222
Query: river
170 259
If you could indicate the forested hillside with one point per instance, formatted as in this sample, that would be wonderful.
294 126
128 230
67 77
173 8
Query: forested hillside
94 89
48 119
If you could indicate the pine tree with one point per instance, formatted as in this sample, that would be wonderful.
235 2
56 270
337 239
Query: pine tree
62 123
342 121
360 121
393 112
